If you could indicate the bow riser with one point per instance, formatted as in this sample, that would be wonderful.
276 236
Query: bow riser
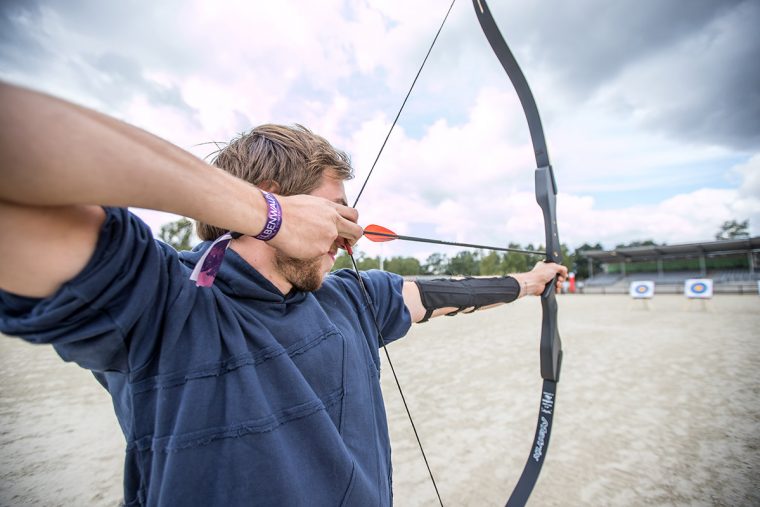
551 345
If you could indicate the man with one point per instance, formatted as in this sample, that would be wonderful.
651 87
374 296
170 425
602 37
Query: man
261 389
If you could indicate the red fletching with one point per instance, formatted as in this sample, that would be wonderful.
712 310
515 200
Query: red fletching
379 234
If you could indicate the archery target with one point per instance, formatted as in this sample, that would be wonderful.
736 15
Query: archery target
698 288
642 289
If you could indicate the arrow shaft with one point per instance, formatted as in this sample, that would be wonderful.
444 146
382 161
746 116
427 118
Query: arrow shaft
453 243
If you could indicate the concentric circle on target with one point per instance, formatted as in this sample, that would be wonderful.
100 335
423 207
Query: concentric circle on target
641 289
701 288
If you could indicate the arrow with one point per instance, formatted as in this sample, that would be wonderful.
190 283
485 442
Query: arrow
380 234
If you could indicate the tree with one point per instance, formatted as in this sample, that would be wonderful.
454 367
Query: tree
343 261
404 266
365 263
436 264
491 264
568 258
580 261
178 234
514 262
464 263
731 229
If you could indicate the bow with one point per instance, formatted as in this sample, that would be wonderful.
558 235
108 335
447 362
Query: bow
546 191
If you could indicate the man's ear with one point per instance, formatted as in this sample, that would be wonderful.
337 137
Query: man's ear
269 186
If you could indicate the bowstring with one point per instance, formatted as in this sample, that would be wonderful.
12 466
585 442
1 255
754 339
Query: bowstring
395 378
382 147
358 274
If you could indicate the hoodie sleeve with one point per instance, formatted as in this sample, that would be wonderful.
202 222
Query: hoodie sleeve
385 293
90 318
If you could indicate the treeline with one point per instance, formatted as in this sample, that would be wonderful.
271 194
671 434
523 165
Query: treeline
180 235
479 262
468 262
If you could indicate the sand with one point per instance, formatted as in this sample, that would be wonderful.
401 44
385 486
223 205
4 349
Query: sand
657 406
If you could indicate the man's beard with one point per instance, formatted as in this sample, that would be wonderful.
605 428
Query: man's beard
304 275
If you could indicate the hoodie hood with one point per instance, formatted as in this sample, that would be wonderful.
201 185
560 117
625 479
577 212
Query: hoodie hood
236 277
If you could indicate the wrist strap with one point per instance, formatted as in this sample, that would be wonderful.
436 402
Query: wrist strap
208 265
274 218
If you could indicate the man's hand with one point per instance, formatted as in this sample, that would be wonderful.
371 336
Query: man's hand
310 226
534 281
47 182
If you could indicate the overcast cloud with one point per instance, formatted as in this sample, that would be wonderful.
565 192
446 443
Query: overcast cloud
651 108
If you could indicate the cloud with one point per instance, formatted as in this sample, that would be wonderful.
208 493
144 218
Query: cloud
747 204
469 182
125 78
650 109
587 43
17 22
703 88
688 72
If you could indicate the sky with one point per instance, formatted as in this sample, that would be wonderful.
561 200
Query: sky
651 109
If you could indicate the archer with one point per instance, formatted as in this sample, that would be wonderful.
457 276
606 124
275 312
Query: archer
262 389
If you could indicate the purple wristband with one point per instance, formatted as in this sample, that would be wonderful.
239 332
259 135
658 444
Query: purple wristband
274 218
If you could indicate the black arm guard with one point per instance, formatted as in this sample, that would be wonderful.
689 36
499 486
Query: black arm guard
466 293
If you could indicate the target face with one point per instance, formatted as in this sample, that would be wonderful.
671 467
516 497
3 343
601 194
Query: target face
699 288
641 289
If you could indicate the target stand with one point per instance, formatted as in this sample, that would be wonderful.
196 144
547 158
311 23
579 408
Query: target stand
697 305
698 292
640 304
641 292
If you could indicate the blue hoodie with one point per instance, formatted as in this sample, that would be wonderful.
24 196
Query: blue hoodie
231 395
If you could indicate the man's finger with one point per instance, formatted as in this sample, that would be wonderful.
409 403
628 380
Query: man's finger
349 230
347 212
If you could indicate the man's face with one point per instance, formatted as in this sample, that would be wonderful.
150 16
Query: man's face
307 275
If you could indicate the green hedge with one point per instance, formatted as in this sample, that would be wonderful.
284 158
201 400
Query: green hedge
712 263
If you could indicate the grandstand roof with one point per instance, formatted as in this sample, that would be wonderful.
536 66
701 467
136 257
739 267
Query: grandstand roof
686 250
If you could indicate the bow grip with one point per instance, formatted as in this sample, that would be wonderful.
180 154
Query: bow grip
551 345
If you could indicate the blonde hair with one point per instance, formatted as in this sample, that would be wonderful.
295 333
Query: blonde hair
293 157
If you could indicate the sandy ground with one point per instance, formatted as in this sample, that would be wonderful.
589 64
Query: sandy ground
657 406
